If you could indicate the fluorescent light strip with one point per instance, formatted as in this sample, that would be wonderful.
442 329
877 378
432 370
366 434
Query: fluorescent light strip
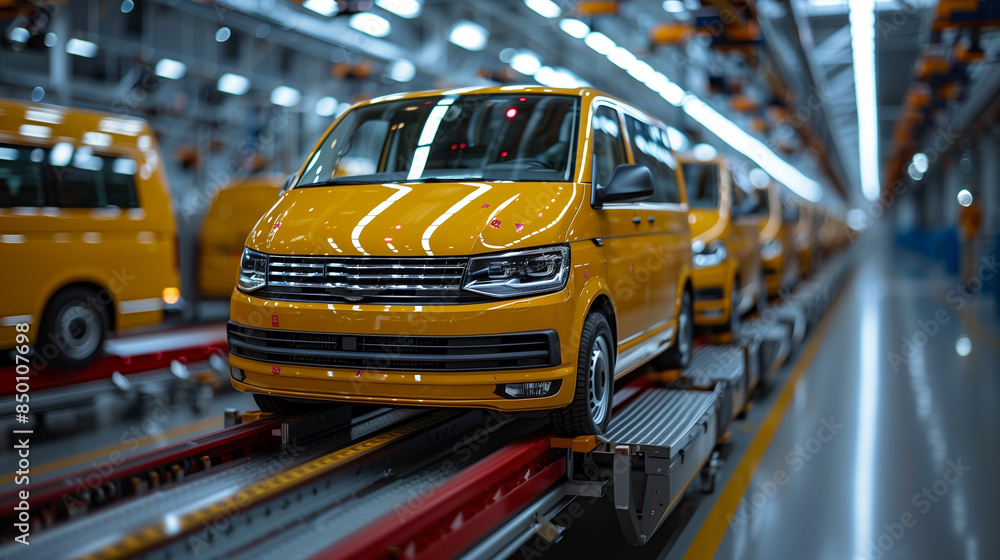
697 109
741 141
862 16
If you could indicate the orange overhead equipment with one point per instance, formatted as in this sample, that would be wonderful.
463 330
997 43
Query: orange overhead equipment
669 33
608 8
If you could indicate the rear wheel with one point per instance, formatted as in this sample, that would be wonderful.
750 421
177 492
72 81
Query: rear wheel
75 324
590 411
678 356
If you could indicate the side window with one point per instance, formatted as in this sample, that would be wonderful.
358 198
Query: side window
119 182
77 177
609 148
649 146
739 195
83 179
21 176
761 202
701 180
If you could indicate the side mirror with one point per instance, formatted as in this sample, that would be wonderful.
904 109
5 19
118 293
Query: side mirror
289 181
628 183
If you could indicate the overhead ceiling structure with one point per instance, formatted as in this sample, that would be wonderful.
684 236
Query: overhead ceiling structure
733 72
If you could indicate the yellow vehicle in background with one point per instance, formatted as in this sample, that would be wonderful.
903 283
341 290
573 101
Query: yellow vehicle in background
87 230
515 248
777 240
807 243
230 218
725 229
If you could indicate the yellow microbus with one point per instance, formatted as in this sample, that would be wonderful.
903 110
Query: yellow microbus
87 233
725 230
232 215
513 248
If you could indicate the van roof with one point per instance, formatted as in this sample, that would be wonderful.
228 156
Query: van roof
38 123
481 90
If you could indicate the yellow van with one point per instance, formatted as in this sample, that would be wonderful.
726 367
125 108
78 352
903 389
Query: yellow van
781 259
807 237
725 242
87 230
230 218
777 240
515 248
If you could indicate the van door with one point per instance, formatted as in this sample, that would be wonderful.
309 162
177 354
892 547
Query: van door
622 225
668 237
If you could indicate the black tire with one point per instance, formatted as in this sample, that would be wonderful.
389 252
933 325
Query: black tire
75 324
761 304
707 481
678 356
733 326
276 405
590 411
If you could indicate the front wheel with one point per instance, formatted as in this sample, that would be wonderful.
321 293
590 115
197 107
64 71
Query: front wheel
761 304
678 356
733 326
590 411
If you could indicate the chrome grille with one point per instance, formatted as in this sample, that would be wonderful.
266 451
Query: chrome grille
367 279
407 353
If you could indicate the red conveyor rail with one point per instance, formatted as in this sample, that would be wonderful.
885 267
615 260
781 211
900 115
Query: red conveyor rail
461 511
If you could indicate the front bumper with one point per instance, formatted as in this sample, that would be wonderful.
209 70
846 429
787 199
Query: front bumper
393 385
774 273
712 311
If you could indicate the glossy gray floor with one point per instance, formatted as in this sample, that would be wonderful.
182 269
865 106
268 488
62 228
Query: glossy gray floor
889 448
909 374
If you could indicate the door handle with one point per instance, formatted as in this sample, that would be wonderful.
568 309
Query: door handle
636 220
651 219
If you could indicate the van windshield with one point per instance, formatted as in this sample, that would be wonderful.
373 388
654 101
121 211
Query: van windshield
702 183
503 137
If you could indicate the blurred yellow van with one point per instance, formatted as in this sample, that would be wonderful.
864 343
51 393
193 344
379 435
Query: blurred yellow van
514 248
87 232
230 218
725 242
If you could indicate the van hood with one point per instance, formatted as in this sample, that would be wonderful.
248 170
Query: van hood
417 219
706 223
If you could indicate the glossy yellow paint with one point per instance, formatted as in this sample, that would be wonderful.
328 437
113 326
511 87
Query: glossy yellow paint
741 269
780 267
130 253
644 281
233 214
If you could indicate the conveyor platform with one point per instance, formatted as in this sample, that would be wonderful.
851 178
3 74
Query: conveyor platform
650 453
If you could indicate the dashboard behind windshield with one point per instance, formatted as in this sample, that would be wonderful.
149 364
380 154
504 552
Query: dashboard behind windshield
499 137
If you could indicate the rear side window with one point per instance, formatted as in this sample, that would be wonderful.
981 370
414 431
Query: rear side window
83 179
609 147
21 176
649 146
119 182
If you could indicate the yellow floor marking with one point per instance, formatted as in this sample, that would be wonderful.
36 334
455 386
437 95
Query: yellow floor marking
707 541
122 448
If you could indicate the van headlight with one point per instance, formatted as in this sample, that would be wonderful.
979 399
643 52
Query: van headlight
772 249
708 255
253 270
519 273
